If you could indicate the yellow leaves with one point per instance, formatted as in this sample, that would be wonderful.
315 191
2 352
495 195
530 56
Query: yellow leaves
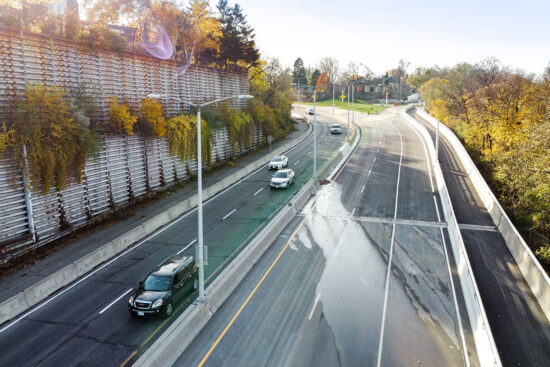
7 138
204 31
45 126
120 118
181 134
439 110
151 112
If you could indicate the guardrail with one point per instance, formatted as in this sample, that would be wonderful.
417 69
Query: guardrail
483 337
168 347
33 295
534 274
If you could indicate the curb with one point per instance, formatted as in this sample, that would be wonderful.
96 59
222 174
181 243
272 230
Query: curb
23 301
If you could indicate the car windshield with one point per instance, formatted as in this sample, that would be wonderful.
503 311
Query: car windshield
277 159
335 125
156 283
280 175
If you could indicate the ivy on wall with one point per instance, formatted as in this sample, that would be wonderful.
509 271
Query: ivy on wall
181 134
57 146
121 119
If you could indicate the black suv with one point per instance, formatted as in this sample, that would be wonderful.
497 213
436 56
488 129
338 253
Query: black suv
164 286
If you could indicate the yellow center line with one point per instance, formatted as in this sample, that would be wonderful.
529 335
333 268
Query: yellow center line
129 358
250 296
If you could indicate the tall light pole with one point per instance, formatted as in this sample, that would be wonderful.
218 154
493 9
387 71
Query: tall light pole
314 134
333 98
200 236
353 102
347 131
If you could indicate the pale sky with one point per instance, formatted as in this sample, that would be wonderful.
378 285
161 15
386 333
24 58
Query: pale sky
424 32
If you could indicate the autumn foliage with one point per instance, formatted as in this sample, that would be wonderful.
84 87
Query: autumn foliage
503 117
120 118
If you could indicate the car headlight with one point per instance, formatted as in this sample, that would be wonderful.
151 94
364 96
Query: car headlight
131 300
157 303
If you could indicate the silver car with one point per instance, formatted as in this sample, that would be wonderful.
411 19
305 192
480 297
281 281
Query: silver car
282 179
278 162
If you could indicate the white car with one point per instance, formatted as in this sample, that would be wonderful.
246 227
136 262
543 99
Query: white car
335 129
278 162
310 111
282 179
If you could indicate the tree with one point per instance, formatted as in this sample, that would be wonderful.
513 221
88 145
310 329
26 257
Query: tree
299 72
237 43
314 76
322 82
202 32
330 66
104 12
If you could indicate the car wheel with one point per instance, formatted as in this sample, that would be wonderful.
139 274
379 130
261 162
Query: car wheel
196 283
168 310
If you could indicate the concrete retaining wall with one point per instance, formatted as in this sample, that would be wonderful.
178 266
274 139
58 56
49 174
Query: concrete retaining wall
534 274
483 337
40 291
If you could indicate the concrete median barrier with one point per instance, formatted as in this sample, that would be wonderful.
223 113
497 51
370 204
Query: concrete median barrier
167 348
534 274
10 308
51 284
94 258
483 337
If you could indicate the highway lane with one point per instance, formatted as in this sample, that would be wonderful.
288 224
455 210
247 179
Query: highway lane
351 281
520 328
89 323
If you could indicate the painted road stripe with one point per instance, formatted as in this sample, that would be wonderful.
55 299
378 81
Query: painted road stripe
374 160
353 212
314 305
228 214
186 247
112 303
363 188
250 295
257 192
296 162
386 293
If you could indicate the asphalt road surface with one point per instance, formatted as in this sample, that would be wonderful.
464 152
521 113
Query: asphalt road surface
361 278
520 327
88 323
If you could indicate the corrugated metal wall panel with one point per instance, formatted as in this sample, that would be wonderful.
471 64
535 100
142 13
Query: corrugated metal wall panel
126 166
118 169
136 165
13 210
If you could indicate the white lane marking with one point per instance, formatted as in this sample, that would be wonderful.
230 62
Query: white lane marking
314 305
369 172
228 214
377 150
388 273
257 192
48 300
363 188
455 301
374 160
296 162
116 300
353 212
188 245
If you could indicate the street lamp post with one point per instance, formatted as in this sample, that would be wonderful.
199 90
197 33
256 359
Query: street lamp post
314 135
347 131
200 236
333 98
